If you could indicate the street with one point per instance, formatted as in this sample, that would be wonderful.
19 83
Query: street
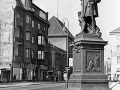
34 86
44 86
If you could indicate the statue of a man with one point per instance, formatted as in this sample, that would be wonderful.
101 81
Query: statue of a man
89 12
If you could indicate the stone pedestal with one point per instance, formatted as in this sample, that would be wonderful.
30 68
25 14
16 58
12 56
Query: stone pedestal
88 63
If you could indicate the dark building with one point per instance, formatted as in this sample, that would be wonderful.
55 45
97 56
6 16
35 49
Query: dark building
29 41
57 62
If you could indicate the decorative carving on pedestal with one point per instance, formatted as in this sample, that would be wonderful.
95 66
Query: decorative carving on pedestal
93 61
77 48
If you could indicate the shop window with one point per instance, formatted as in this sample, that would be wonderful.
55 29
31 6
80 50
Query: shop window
29 74
17 74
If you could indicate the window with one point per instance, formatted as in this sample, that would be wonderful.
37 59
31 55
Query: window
28 19
40 54
17 15
27 3
33 23
118 59
32 39
118 47
118 69
32 54
33 9
28 36
118 37
38 25
44 28
41 40
28 53
42 15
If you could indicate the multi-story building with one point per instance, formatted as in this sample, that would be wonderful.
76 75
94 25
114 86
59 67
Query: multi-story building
60 36
115 53
24 50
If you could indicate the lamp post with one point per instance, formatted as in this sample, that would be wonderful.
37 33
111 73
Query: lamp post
67 68
64 29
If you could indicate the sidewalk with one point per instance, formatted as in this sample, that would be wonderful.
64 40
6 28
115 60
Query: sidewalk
16 84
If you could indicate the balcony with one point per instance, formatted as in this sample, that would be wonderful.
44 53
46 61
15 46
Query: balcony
18 40
18 59
33 61
19 22
39 31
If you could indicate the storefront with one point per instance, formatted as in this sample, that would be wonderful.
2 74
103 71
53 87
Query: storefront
42 72
30 71
5 70
5 75
17 71
17 74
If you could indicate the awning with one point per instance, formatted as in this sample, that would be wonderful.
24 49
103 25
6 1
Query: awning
6 66
43 67
31 66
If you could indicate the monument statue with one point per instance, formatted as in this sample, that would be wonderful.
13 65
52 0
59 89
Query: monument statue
88 52
87 15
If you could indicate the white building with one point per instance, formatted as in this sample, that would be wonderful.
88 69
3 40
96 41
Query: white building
115 53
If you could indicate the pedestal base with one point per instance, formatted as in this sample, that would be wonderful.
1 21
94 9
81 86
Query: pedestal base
88 63
88 82
91 87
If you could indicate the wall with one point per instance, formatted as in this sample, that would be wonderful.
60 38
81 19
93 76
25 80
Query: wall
6 32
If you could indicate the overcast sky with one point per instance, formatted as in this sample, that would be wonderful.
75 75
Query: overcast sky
108 20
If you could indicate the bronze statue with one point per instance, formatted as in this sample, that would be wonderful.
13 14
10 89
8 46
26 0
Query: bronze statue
89 12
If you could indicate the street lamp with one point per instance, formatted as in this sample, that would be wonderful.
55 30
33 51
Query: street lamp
64 29
67 68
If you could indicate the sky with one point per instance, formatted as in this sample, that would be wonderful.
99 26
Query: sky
108 20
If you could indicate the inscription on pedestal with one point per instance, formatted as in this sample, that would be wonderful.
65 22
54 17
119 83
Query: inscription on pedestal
93 61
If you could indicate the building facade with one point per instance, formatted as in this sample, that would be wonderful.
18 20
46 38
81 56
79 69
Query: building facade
115 53
57 62
60 36
27 37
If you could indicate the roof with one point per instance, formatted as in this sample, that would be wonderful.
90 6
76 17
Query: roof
116 31
56 28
